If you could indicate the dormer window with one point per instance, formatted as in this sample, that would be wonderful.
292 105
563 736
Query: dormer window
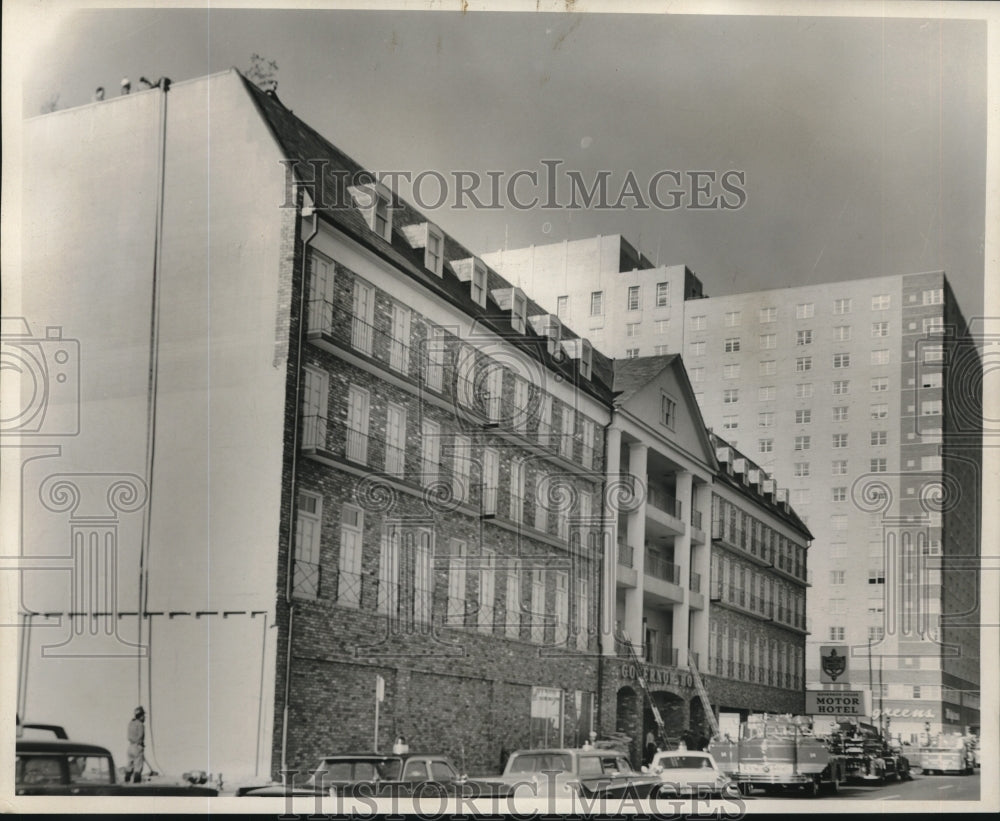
473 271
479 283
518 314
550 327
581 350
434 252
428 236
515 301
374 201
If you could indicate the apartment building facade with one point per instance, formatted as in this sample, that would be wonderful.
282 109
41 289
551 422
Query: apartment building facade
759 590
386 456
689 513
866 395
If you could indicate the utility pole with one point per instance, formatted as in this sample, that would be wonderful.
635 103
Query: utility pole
871 687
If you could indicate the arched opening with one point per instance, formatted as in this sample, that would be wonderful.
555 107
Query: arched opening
674 712
698 727
628 720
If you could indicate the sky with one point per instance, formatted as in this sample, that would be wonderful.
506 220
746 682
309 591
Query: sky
862 141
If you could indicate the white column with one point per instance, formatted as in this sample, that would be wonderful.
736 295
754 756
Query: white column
682 558
701 557
636 536
609 599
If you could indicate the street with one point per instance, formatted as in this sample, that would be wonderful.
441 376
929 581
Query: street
921 788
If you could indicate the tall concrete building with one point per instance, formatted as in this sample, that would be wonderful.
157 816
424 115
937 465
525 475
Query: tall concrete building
865 396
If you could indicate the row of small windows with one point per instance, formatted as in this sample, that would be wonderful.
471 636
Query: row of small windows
326 312
739 653
404 586
803 416
838 467
357 445
633 300
745 531
841 333
806 310
839 441
802 363
804 390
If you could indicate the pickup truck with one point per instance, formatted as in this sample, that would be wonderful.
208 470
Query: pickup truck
60 766
567 772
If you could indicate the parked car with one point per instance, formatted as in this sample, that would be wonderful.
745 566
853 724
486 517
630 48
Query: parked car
689 772
565 772
372 774
60 766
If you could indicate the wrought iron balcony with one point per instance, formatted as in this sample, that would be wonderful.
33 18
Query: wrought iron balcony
663 501
625 553
658 567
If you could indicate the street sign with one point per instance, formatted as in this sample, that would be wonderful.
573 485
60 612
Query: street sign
835 703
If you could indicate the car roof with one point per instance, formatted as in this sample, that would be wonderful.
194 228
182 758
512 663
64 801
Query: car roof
381 756
679 753
59 746
568 751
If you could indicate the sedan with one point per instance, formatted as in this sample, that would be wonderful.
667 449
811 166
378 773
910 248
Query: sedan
688 772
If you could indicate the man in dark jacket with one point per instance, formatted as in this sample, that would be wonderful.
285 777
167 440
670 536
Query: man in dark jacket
136 746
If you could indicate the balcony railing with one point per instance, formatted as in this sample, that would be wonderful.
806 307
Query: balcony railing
489 500
715 590
305 579
356 446
696 582
662 654
314 430
694 659
395 460
662 500
695 518
658 567
625 553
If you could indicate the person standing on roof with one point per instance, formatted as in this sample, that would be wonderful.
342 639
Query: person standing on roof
136 746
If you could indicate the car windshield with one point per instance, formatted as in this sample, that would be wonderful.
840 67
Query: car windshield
39 769
685 762
616 764
89 769
366 769
541 762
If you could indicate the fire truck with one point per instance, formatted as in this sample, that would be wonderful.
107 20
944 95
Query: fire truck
780 752
945 753
867 755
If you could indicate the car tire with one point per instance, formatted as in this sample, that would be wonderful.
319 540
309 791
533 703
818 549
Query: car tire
812 788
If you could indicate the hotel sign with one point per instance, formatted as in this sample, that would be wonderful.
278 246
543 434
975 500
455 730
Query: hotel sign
657 675
833 663
839 703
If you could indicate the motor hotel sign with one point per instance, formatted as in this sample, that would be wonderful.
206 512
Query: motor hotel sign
839 703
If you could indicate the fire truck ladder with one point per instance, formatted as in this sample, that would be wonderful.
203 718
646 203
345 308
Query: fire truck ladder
703 695
661 728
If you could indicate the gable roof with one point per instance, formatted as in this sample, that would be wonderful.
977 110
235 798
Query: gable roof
631 376
311 153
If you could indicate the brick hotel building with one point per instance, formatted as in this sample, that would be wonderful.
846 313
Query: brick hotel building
374 465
